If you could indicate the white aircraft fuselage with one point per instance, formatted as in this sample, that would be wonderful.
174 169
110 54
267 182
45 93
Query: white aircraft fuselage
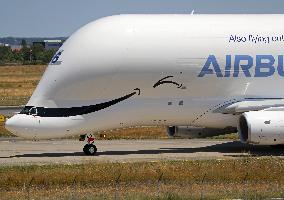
172 70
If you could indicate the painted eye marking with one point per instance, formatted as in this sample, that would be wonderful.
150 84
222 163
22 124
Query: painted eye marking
164 81
138 90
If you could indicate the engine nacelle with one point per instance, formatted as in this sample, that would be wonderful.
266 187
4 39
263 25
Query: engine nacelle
197 132
262 127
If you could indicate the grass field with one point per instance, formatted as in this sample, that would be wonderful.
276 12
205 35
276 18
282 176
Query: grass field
18 82
249 178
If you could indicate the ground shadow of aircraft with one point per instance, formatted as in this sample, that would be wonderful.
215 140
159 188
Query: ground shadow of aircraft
233 149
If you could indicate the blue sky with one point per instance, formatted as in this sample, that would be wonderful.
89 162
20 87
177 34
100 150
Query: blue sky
46 18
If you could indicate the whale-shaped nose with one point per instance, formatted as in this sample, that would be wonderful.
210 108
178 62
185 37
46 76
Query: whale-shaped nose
12 125
35 127
22 125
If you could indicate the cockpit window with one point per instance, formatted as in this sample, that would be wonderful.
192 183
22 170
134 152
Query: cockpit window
40 111
30 110
33 111
26 110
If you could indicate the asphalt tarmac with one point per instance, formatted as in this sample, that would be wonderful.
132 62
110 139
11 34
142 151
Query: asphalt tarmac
14 151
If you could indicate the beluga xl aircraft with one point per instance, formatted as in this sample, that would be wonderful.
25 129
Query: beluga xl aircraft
198 75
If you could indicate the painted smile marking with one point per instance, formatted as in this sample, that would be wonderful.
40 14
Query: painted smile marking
73 111
164 81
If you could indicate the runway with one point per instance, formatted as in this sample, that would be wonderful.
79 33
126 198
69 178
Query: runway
14 151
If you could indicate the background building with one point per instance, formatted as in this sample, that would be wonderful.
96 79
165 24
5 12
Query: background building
50 44
53 44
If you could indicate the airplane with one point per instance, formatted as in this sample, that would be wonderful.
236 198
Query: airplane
198 75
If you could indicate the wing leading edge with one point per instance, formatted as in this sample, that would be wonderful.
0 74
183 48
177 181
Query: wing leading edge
252 105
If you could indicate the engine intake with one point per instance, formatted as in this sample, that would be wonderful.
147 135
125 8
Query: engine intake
262 127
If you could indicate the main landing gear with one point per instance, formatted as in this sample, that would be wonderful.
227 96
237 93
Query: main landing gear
89 149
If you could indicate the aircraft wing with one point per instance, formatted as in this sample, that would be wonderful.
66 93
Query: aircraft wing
252 105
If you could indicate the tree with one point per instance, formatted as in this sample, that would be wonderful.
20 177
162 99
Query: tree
24 43
6 54
26 52
38 52
48 55
18 56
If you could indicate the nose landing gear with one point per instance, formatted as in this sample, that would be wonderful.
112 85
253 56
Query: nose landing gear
89 148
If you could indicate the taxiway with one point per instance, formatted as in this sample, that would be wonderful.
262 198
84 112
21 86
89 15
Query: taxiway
14 151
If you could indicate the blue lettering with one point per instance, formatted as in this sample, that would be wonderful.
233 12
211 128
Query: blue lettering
211 60
280 65
228 66
264 65
54 60
245 68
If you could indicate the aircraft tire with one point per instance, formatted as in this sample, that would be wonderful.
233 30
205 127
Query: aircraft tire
90 149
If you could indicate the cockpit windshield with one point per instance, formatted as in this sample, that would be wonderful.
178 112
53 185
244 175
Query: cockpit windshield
26 110
30 110
33 111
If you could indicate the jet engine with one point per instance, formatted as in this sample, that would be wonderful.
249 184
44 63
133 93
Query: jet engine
197 132
262 127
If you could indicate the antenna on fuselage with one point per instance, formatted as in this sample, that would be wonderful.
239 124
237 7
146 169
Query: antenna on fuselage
192 12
